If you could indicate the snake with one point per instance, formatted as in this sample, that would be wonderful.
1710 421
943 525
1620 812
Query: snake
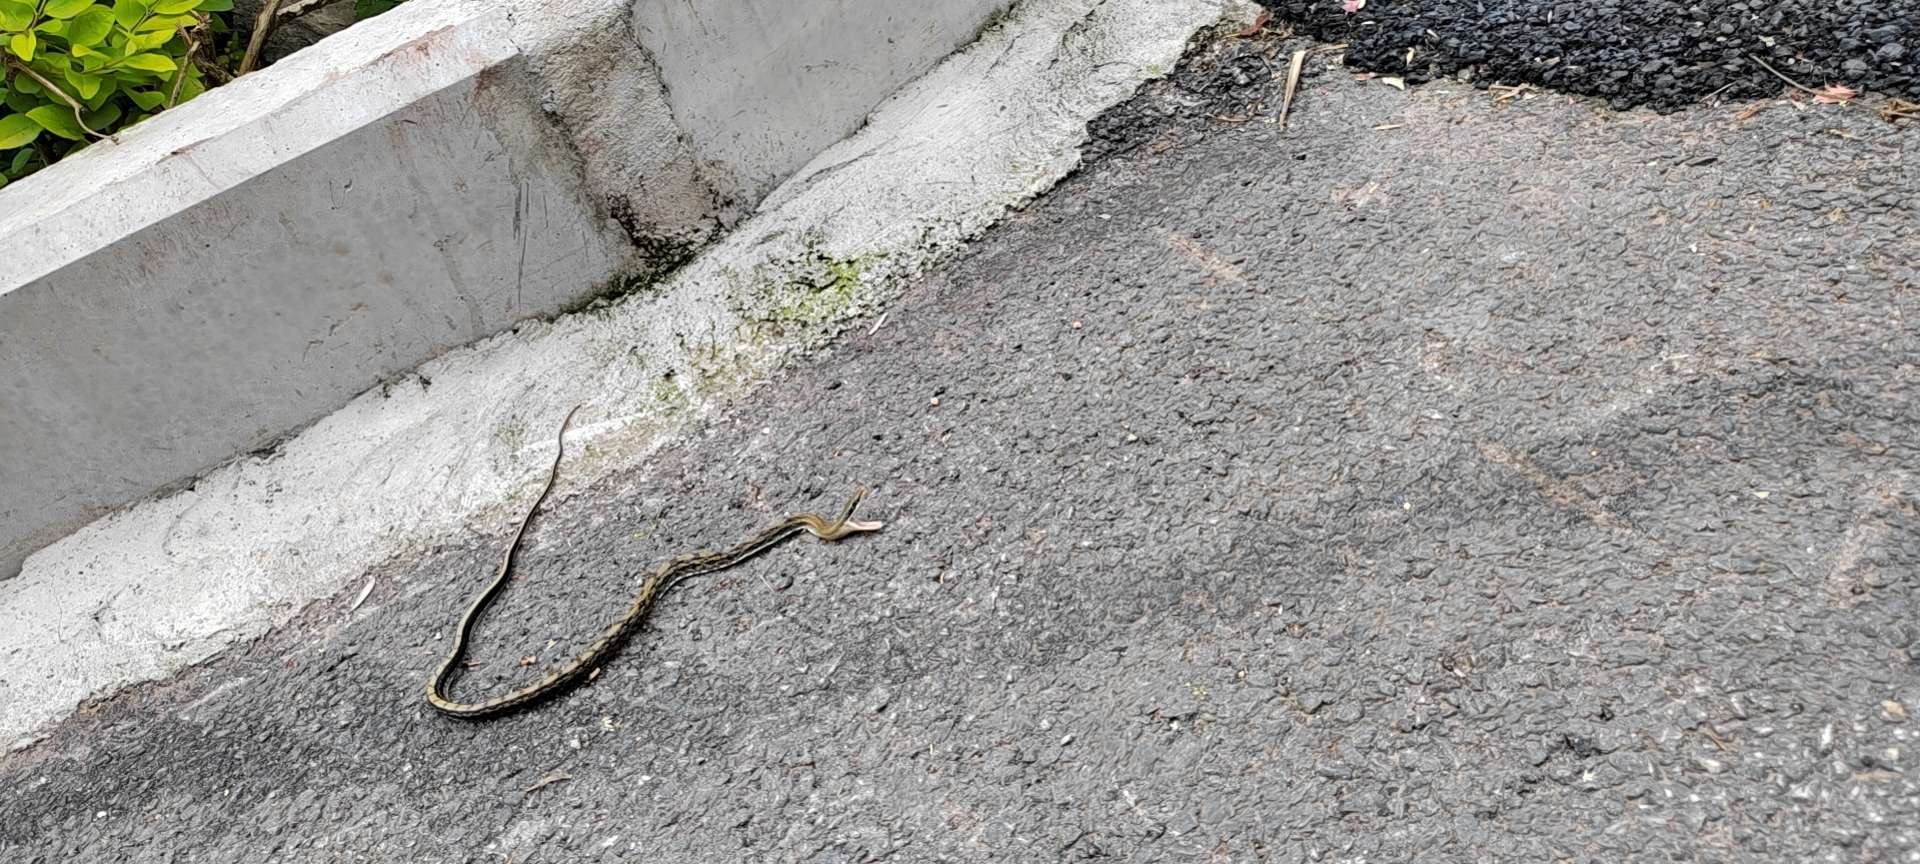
663 578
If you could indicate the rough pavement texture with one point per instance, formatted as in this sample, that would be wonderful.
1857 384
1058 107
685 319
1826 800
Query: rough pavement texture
1660 53
1434 480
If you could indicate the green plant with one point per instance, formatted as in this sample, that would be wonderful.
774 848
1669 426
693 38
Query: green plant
79 70
364 9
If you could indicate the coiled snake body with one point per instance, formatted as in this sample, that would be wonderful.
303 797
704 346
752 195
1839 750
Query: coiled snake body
662 579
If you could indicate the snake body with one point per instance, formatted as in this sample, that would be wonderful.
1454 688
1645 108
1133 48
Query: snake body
610 639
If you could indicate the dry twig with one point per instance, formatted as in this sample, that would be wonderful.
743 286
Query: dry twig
262 28
548 780
55 90
1293 84
301 8
192 38
1796 85
1507 92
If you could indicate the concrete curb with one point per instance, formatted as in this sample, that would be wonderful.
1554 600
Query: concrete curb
234 269
231 272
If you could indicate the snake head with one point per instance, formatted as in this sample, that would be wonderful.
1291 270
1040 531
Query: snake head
846 524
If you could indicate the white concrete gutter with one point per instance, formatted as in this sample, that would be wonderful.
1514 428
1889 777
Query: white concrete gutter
238 267
452 448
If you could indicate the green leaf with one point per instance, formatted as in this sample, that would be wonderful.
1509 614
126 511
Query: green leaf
58 119
150 63
52 27
27 87
128 13
84 85
20 160
15 15
173 7
193 86
364 9
164 22
148 41
147 99
23 44
90 28
214 6
21 102
103 117
64 9
17 130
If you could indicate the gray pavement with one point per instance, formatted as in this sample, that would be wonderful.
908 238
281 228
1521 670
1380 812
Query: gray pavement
1435 479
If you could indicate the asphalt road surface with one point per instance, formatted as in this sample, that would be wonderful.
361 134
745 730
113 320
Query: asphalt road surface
1438 478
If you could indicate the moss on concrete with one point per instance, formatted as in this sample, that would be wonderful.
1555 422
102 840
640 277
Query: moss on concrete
668 395
820 288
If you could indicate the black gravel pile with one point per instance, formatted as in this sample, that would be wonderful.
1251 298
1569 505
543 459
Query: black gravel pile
1656 53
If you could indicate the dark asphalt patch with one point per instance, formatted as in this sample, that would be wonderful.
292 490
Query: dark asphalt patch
1656 53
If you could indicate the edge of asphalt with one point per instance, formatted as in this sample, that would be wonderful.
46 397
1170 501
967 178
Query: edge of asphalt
462 444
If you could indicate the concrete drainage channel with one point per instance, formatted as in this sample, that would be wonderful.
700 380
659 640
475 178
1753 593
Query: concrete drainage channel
404 252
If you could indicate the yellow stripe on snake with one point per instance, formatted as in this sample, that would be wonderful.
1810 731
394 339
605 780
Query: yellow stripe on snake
657 584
